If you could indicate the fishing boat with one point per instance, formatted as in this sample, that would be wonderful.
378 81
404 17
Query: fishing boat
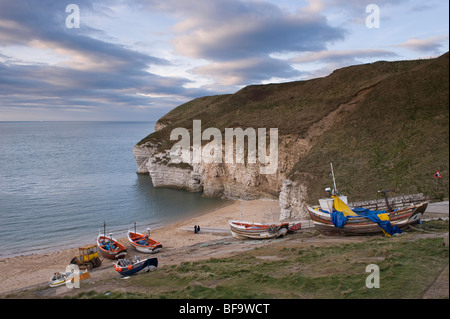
241 229
143 243
129 267
109 247
365 221
61 278
58 279
334 216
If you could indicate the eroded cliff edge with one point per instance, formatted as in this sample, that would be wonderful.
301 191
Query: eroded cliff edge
383 125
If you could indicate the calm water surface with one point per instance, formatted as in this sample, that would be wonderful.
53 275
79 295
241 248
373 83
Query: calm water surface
59 181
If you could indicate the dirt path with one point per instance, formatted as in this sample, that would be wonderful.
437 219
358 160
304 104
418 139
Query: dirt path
440 287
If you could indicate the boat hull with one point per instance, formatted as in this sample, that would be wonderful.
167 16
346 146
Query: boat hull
60 279
119 250
151 247
401 218
144 265
257 231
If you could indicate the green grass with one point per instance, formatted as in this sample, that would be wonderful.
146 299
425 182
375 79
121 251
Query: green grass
407 267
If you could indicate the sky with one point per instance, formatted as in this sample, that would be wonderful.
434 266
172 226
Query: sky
136 60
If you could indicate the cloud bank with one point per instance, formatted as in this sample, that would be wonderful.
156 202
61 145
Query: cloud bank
138 59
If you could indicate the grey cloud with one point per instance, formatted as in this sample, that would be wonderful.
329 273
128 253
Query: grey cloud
237 37
99 74
248 71
234 29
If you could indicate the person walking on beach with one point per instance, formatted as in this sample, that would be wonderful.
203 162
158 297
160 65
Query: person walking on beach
195 229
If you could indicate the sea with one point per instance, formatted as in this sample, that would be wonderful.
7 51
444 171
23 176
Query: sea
60 182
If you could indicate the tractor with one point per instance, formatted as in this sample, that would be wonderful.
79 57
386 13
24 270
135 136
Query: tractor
88 257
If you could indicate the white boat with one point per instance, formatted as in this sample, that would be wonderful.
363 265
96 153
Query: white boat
58 279
61 278
241 229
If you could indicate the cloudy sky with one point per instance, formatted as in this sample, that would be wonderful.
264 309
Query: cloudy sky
138 59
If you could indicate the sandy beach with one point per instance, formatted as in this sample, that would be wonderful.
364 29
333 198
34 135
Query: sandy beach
21 272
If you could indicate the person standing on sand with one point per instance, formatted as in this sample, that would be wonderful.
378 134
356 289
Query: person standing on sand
195 229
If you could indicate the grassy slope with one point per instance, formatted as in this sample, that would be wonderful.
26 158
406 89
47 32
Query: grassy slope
396 139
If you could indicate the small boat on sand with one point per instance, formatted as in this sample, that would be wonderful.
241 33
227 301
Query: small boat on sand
61 278
240 229
110 248
142 242
130 267
58 279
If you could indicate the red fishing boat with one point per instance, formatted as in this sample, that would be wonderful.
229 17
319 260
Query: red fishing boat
143 243
110 248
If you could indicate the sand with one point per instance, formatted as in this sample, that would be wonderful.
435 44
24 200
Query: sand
17 273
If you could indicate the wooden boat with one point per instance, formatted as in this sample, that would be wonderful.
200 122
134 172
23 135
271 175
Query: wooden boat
360 225
240 229
143 243
128 268
110 248
333 216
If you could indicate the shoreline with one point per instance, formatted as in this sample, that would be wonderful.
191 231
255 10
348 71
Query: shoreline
25 271
84 240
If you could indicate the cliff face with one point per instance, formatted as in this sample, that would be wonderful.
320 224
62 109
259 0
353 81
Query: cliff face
231 181
383 125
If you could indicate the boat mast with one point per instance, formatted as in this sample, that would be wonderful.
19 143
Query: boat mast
334 181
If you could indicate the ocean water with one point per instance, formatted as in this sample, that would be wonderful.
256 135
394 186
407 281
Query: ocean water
60 181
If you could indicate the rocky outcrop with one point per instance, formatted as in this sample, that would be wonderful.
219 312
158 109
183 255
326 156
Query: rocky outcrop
224 180
292 200
142 154
243 181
